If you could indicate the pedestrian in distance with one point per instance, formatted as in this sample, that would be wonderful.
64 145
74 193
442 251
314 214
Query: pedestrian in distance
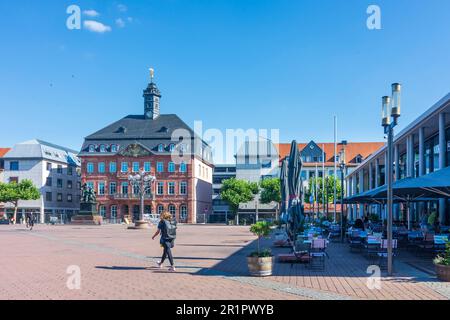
167 228
31 221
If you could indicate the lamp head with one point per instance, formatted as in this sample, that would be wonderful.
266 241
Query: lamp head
396 100
386 111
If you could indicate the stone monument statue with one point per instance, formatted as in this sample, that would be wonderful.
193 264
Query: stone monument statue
88 208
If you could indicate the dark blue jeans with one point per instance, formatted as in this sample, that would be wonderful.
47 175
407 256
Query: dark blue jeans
167 245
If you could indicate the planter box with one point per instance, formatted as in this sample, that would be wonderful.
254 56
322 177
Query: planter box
443 272
260 267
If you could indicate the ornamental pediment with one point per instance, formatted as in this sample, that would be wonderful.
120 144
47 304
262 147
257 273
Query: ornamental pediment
135 150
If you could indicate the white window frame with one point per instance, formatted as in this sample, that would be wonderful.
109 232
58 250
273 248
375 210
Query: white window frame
100 184
122 185
169 184
158 184
110 188
183 183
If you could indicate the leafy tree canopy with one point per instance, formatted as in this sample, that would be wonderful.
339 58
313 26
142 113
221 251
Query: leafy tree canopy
236 191
270 190
13 192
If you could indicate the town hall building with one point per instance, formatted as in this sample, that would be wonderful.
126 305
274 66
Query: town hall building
160 145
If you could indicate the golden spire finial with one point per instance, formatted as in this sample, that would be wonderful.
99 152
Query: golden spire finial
152 74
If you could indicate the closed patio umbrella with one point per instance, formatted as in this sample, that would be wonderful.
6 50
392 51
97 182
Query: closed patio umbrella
284 191
294 185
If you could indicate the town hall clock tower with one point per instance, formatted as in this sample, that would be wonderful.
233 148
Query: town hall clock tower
151 99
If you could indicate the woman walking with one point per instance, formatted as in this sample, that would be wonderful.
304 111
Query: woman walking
167 229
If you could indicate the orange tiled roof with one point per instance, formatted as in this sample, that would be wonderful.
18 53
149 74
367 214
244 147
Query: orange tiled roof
352 149
3 151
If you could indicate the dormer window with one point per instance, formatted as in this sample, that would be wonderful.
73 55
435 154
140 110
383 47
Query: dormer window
113 148
161 148
121 130
91 148
102 148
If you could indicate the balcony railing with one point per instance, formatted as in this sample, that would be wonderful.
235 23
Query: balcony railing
132 196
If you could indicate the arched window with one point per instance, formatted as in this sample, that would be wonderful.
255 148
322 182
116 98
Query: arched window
171 147
183 212
161 148
102 148
91 148
172 210
113 148
160 209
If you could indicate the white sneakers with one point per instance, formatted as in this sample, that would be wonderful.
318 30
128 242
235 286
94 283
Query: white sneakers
159 265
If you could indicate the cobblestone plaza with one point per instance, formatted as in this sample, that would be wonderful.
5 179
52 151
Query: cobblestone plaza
116 263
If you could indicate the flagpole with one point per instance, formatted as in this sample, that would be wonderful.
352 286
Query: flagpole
317 192
335 165
323 178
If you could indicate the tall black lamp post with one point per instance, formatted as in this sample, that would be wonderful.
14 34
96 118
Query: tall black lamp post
390 113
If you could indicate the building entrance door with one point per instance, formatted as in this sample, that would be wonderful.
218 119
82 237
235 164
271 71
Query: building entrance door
136 212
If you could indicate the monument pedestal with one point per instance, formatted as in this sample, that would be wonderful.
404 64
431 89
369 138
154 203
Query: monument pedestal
140 225
87 220
88 215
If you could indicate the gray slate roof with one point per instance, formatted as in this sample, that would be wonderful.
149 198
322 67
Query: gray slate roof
136 128
38 149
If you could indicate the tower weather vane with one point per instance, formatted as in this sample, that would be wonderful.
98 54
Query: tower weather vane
152 74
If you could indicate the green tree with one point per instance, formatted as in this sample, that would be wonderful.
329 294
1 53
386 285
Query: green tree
270 190
326 186
260 229
14 192
235 192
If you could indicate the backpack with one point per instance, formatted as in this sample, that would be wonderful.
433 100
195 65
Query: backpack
171 227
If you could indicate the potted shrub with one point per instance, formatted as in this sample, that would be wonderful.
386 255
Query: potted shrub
260 262
442 263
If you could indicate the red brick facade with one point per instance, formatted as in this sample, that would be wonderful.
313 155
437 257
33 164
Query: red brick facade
130 207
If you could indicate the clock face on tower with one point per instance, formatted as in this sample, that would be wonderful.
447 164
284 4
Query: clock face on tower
149 114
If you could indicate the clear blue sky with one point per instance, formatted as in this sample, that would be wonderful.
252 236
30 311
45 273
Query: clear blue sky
281 64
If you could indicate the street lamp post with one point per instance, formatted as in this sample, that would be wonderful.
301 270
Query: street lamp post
143 182
390 113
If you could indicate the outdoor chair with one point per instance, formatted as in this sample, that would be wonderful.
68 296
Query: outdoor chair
372 246
414 239
301 253
383 252
355 240
440 244
335 232
318 254
426 246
